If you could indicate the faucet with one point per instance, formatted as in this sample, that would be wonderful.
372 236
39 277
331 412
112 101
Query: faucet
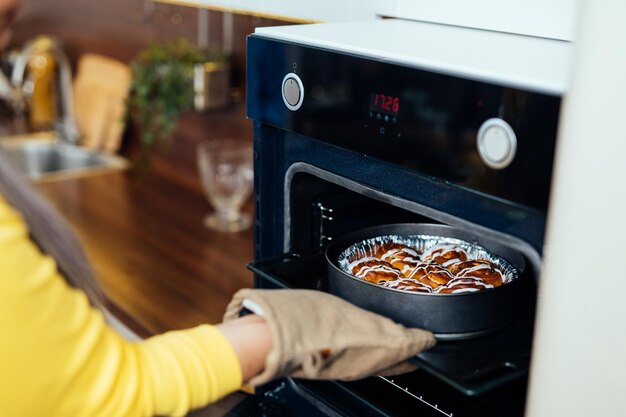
66 126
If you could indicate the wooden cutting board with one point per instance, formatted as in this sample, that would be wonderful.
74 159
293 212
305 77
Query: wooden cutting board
101 87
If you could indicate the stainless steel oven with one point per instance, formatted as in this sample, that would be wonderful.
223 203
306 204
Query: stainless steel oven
366 124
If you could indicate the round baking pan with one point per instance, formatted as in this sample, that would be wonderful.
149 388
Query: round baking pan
449 316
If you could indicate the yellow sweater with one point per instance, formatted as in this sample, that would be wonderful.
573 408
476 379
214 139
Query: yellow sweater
58 357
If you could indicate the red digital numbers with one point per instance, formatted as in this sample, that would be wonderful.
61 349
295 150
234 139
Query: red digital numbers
388 104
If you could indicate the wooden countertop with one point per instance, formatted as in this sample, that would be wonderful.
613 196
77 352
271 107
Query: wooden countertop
154 257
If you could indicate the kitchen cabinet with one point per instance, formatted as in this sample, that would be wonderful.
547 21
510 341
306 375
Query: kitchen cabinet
556 19
299 11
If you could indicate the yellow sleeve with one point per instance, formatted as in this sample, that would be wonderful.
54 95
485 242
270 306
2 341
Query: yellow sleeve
58 356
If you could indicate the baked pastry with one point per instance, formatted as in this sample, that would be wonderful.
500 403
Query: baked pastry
479 269
410 285
374 270
401 256
460 285
430 273
445 268
457 267
445 254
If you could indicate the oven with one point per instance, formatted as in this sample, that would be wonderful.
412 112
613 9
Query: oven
350 133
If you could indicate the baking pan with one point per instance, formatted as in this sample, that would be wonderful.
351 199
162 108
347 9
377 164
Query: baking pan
473 367
449 316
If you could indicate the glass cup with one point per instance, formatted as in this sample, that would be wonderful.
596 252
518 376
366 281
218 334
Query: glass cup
226 172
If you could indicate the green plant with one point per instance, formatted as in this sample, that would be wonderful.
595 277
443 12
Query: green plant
162 88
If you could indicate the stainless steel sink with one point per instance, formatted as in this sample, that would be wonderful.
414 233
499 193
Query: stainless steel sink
52 160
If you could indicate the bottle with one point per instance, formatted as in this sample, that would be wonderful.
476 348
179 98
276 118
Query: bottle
42 103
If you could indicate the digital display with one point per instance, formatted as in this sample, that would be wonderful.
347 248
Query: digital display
383 103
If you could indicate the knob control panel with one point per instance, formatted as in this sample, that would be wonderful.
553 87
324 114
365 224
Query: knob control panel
497 143
293 91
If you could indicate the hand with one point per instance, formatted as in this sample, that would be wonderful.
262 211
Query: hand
316 335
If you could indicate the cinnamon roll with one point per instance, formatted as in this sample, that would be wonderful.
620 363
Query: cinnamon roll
430 273
445 254
461 285
401 256
374 270
480 269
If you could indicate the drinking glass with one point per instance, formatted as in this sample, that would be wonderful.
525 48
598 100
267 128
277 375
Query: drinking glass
226 172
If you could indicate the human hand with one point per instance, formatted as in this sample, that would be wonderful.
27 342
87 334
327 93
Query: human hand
316 335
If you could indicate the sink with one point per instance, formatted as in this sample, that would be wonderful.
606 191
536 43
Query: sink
42 158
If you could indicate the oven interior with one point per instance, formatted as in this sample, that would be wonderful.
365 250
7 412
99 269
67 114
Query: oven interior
456 377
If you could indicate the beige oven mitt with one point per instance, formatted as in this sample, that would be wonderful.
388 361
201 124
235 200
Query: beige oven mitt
316 335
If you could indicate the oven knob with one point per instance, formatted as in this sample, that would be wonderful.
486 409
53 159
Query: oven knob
293 91
496 143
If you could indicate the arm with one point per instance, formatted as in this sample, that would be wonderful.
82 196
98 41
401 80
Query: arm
59 357
251 339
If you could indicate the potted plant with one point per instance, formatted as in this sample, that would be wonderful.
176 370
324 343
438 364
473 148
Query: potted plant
162 87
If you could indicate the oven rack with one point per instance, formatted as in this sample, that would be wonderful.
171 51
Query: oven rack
473 367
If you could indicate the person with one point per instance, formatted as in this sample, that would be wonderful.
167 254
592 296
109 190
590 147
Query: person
59 357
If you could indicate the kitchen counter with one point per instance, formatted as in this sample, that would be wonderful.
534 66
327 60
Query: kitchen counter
155 259
160 267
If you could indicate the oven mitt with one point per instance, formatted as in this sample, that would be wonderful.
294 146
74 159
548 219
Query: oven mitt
316 335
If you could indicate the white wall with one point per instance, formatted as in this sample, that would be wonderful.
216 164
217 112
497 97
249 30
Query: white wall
579 355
